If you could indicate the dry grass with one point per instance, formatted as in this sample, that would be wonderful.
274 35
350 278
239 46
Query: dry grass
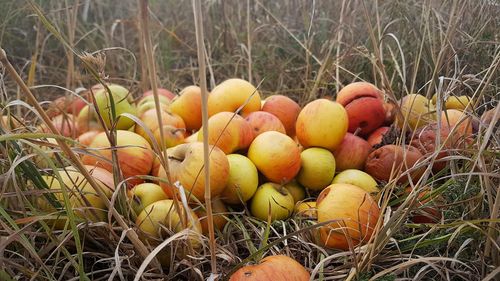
303 49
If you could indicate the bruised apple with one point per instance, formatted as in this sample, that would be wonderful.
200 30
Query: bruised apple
262 121
354 214
377 136
276 156
276 268
364 105
391 161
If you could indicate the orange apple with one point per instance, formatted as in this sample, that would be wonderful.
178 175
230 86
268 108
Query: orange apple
187 166
231 95
351 153
286 109
322 123
364 105
86 138
353 212
228 131
134 154
306 209
262 121
276 268
276 156
458 125
219 210
188 106
150 120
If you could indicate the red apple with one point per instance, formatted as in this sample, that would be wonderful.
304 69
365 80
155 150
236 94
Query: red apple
352 153
262 121
286 109
376 136
322 123
276 156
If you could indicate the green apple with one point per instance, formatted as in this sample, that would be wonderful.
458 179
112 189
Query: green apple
317 168
298 192
145 194
271 198
357 178
121 105
243 180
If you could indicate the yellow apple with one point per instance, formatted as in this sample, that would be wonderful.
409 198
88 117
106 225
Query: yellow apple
357 178
458 103
231 94
416 111
306 209
144 194
188 106
273 199
298 192
243 180
317 168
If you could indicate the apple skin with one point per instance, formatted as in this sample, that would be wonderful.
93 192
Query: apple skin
377 136
163 213
277 268
416 110
66 124
306 209
186 164
357 178
317 168
122 105
66 104
424 139
298 191
364 105
86 138
321 123
134 154
460 123
458 103
143 107
161 93
219 210
172 136
388 158
243 180
286 109
87 120
85 202
188 106
231 94
228 131
356 213
274 199
276 156
144 194
150 120
351 153
262 121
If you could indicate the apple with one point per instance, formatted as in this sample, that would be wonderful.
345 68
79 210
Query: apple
84 201
321 123
276 156
416 112
143 107
151 99
424 139
377 136
306 209
65 124
219 210
161 93
186 164
159 219
188 106
144 194
458 103
271 198
357 178
120 103
351 153
8 122
67 104
353 212
317 168
457 125
276 268
243 180
390 113
364 105
231 94
298 192
228 131
172 136
262 121
87 120
286 109
103 176
134 154
389 161
86 138
150 120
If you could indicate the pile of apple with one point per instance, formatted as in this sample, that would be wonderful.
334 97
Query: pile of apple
265 153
